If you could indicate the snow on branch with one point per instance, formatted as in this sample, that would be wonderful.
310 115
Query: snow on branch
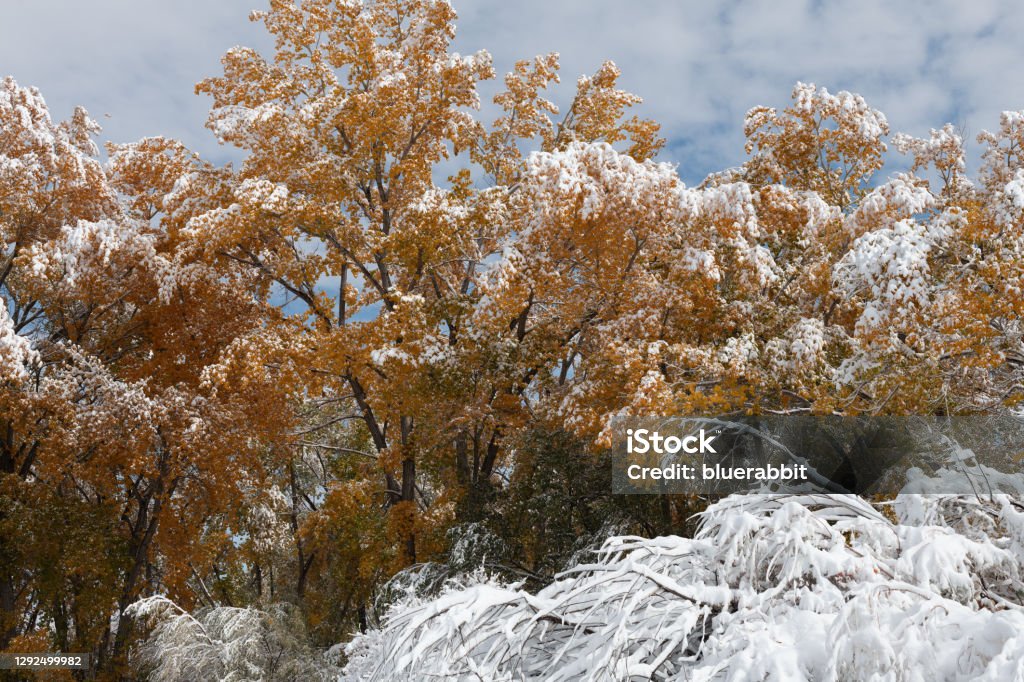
16 352
224 643
795 587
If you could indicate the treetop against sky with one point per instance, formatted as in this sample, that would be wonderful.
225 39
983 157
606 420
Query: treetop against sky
699 65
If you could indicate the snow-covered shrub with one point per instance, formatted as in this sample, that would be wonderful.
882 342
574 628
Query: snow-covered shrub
474 555
226 644
772 587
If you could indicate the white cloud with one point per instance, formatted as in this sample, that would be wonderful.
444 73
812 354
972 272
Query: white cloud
132 64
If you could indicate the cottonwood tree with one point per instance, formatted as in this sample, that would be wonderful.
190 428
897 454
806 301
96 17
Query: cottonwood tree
48 177
122 451
337 208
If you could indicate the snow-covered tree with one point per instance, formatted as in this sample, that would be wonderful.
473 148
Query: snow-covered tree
123 438
337 208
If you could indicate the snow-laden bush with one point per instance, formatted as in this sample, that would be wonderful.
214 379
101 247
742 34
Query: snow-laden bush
225 644
780 587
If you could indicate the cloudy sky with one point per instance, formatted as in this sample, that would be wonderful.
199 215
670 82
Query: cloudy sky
699 64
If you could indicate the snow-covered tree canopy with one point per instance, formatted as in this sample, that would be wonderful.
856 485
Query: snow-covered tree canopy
118 457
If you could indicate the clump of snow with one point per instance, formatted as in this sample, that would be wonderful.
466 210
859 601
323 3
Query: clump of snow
900 198
1014 190
890 269
868 123
91 251
16 351
739 352
264 195
802 349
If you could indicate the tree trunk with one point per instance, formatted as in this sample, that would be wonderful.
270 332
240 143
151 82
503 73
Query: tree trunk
409 488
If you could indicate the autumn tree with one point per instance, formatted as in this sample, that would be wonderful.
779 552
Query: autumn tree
793 284
337 209
125 442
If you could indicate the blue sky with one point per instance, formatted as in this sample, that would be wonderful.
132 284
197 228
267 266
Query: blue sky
699 65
